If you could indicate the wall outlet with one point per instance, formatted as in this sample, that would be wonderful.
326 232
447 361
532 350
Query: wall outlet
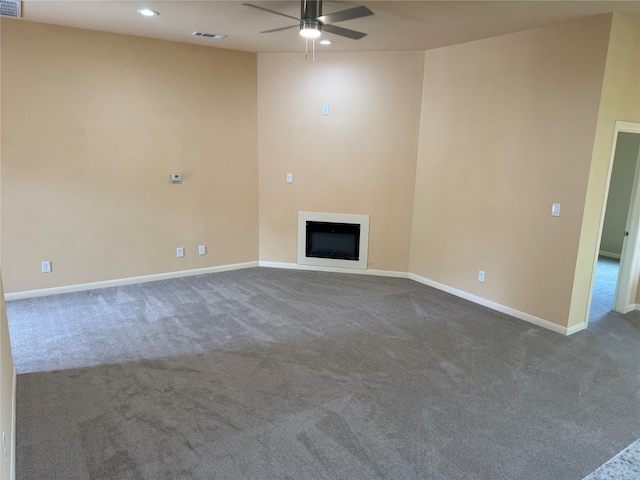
289 177
481 276
202 250
46 267
4 448
325 109
180 252
176 177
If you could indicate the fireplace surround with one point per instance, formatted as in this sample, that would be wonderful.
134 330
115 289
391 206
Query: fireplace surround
333 240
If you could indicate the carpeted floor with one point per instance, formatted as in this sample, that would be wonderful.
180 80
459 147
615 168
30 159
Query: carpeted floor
275 374
604 288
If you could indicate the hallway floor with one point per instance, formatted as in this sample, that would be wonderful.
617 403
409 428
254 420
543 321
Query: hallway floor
604 288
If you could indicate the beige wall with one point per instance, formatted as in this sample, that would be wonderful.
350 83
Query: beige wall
94 123
622 176
7 371
360 159
507 129
620 100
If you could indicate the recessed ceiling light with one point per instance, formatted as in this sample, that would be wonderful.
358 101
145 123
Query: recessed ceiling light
324 41
147 12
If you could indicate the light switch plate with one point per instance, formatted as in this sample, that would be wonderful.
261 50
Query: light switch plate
555 209
325 109
289 177
180 252
202 250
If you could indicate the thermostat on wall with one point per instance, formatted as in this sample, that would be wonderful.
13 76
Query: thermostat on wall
176 177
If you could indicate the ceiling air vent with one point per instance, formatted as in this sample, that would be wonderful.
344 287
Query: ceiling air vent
202 34
10 8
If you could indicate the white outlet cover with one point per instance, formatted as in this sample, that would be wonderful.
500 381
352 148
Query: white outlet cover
180 252
46 267
289 177
202 250
325 109
481 276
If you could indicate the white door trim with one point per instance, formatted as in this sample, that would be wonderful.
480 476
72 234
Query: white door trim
627 284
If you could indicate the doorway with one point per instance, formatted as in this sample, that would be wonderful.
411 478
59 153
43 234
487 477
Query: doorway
617 269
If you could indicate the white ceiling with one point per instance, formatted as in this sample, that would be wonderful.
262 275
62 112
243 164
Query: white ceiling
396 25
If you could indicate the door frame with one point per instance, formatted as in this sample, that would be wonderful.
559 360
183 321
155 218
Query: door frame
627 283
629 271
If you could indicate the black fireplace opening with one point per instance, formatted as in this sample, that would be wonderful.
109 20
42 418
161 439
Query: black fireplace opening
340 241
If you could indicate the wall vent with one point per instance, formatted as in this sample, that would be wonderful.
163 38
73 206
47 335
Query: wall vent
10 8
208 35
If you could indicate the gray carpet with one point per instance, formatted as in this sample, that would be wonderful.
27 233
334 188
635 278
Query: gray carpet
274 374
604 288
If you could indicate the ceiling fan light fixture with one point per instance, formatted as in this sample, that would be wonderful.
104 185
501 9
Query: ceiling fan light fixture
147 12
325 41
310 29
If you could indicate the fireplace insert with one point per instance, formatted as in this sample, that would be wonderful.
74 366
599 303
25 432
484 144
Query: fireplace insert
333 240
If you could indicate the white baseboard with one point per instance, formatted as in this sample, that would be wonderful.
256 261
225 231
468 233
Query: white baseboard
388 273
126 281
496 306
317 268
576 328
602 253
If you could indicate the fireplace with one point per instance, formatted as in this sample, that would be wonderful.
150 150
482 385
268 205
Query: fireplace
333 240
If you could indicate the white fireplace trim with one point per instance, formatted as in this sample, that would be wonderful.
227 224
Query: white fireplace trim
362 220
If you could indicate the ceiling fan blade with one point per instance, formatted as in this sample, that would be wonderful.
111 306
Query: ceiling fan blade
350 14
271 11
344 32
282 28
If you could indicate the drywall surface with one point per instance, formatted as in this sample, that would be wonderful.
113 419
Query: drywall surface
507 129
7 393
358 159
622 176
620 100
94 124
7 370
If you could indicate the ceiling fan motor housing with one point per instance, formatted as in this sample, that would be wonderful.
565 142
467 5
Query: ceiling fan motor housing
310 9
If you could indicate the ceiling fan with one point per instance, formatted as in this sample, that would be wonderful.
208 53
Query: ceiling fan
312 23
